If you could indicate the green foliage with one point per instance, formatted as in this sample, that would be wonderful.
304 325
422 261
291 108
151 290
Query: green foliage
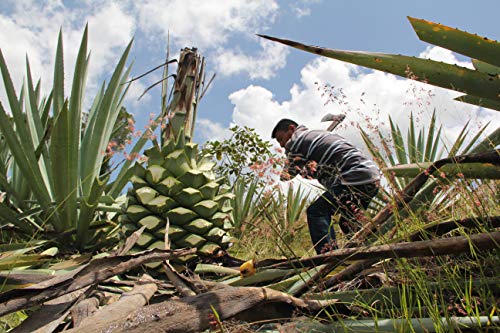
51 155
12 320
245 205
243 156
283 211
419 147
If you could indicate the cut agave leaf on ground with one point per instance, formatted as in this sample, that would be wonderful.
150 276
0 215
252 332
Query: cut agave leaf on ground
25 260
20 246
262 276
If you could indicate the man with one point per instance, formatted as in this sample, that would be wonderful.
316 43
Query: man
350 178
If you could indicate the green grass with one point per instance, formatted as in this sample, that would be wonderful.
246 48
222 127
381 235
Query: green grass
435 289
12 320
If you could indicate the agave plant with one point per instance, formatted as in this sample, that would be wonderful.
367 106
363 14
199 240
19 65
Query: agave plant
177 192
245 205
418 149
283 211
412 167
51 156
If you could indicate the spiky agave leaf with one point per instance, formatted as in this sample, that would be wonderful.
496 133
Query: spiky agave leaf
480 85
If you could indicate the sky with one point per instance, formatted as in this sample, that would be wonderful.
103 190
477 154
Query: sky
257 82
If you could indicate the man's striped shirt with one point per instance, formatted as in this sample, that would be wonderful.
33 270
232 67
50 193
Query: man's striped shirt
329 158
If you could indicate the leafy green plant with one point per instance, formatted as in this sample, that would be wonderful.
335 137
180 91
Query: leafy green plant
52 155
243 156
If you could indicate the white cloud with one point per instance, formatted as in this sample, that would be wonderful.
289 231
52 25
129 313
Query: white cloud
441 54
264 65
31 27
366 97
204 23
255 107
302 8
210 130
135 91
301 12
210 25
110 29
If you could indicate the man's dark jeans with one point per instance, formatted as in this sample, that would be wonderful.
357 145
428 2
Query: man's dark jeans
346 200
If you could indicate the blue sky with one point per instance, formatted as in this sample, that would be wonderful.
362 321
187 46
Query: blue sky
257 82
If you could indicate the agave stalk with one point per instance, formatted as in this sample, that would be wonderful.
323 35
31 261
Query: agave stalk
175 196
182 108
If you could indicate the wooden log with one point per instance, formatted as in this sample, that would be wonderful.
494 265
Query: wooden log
85 308
128 302
196 313
51 314
452 245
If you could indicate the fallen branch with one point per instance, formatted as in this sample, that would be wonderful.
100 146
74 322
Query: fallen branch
349 272
93 273
194 313
128 302
445 227
183 285
436 247
436 229
51 314
482 242
414 186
